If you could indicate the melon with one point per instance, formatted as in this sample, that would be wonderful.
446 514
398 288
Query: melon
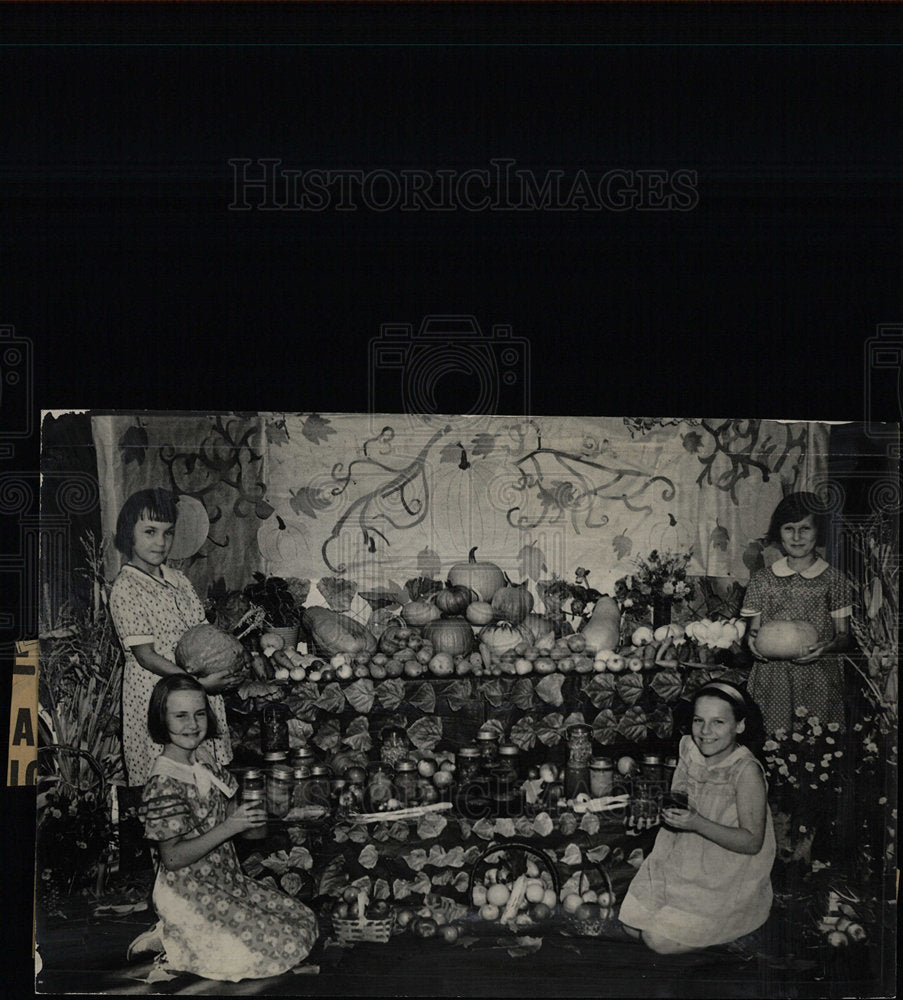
785 640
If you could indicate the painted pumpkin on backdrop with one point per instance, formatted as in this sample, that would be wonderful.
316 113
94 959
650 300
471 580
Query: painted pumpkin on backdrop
283 542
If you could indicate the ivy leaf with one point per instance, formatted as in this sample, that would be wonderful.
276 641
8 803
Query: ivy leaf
574 719
522 693
523 733
667 685
497 725
605 727
550 730
333 879
357 736
331 699
634 725
258 689
630 688
543 825
590 824
424 697
496 691
276 432
380 833
719 537
368 857
601 690
358 834
299 732
328 735
622 544
308 500
571 855
360 695
317 429
483 445
398 830
401 888
421 884
532 561
380 889
549 689
662 722
567 824
458 694
695 680
337 592
692 442
133 445
484 828
426 732
390 693
431 825
428 563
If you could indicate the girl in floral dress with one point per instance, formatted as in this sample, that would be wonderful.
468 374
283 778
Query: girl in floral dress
215 922
801 586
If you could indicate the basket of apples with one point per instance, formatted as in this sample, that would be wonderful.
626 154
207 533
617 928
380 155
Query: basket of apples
355 918
513 886
589 904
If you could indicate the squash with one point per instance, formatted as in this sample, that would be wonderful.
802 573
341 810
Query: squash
484 578
450 635
603 630
512 602
785 640
395 637
502 636
230 657
453 600
332 632
479 613
419 612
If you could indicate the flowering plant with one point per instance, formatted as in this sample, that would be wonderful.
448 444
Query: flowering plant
804 774
660 574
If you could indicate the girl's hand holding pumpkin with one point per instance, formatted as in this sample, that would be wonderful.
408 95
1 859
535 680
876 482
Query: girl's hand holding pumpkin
216 683
755 652
814 653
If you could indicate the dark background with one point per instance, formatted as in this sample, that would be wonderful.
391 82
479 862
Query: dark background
138 288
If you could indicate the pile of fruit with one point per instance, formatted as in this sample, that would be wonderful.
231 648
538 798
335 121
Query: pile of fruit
438 917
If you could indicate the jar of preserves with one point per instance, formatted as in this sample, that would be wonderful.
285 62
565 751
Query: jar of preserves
379 787
406 782
467 764
273 728
303 755
509 761
255 796
301 793
275 757
320 785
395 746
580 747
280 782
488 742
601 777
652 768
670 767
252 780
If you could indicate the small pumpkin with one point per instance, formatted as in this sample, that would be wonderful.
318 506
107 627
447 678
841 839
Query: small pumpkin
453 600
483 578
418 613
479 613
512 602
503 636
395 637
450 635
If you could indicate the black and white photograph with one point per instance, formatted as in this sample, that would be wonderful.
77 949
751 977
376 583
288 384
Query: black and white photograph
450 493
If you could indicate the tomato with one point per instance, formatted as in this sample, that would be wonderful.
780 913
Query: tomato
425 927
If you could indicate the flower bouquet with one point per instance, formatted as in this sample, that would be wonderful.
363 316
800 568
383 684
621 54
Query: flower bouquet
656 585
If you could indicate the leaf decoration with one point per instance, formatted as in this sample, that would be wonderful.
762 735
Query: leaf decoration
590 823
308 500
662 722
667 685
425 733
333 879
543 825
423 696
455 857
634 725
331 699
401 888
550 729
436 857
258 689
379 599
601 690
379 833
504 827
495 724
362 884
630 688
622 544
390 693
338 593
399 831
360 695
522 693
471 855
496 691
719 537
328 735
484 828
695 680
532 561
380 889
461 882
431 825
316 428
299 732
599 853
358 834
524 826
567 823
605 727
441 877
574 719
421 883
458 694
465 828
549 689
571 855
635 858
428 563
357 736
483 445
523 733
692 442
282 861
368 857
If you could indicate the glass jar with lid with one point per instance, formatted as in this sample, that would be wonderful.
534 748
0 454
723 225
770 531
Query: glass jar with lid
252 780
303 755
406 782
488 742
254 796
395 745
280 782
467 764
601 777
320 786
301 793
670 766
509 761
580 746
273 728
379 787
652 768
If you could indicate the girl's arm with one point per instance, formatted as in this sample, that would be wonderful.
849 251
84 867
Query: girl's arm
179 852
747 838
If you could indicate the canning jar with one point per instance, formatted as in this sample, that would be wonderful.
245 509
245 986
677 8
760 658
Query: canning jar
670 767
301 793
274 758
320 785
379 787
601 777
252 780
406 782
395 746
280 782
303 755
254 796
508 762
273 728
580 747
467 764
488 742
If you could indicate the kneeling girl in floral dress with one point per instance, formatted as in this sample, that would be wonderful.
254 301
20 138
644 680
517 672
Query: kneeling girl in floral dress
215 921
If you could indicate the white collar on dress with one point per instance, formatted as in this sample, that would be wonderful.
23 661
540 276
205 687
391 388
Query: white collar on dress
782 568
168 577
190 774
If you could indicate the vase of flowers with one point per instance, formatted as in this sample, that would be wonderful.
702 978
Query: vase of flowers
281 601
657 584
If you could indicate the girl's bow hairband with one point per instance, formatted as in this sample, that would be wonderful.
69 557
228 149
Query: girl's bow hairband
732 692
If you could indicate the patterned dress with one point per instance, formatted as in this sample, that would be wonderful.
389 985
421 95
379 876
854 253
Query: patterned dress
820 595
690 889
216 922
147 609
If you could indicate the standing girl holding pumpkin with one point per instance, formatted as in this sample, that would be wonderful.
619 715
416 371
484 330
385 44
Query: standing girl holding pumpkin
800 587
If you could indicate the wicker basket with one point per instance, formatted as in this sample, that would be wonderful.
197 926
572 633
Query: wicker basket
518 852
363 929
594 926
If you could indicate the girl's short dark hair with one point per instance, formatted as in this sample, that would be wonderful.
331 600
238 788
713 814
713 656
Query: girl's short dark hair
154 505
156 709
796 507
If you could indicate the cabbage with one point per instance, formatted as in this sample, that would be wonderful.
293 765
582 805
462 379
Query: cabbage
227 654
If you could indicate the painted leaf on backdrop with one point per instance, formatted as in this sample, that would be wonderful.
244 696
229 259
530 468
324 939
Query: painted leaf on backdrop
430 825
549 689
424 697
667 685
328 735
308 500
522 693
550 729
605 727
357 735
458 694
317 428
523 733
532 561
331 699
630 688
360 695
425 733
633 724
428 563
719 537
622 544
601 690
368 857
390 693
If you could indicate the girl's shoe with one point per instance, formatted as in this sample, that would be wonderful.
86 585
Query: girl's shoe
147 941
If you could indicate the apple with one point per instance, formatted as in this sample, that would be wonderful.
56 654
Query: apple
424 655
340 911
583 664
566 664
635 664
425 927
315 675
394 668
541 911
448 765
282 674
615 664
427 767
571 903
449 933
443 779
600 664
359 670
346 672
588 911
642 635
489 912
626 765
464 667
379 658
522 666
412 668
548 773
576 643
297 673
361 657
404 916
544 665
478 896
378 910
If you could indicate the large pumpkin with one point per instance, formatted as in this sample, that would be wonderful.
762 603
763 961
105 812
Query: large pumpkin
226 653
483 578
785 640
419 613
331 632
450 635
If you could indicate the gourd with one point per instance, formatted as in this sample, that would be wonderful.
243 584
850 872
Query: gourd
785 640
502 636
483 578
603 630
419 612
512 602
479 613
229 656
453 600
450 635
332 632
395 637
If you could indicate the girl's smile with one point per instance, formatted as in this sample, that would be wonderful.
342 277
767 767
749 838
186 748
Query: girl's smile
186 723
715 729
151 545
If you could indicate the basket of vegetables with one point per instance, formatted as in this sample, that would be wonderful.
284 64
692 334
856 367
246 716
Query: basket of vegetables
513 887
590 905
355 919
